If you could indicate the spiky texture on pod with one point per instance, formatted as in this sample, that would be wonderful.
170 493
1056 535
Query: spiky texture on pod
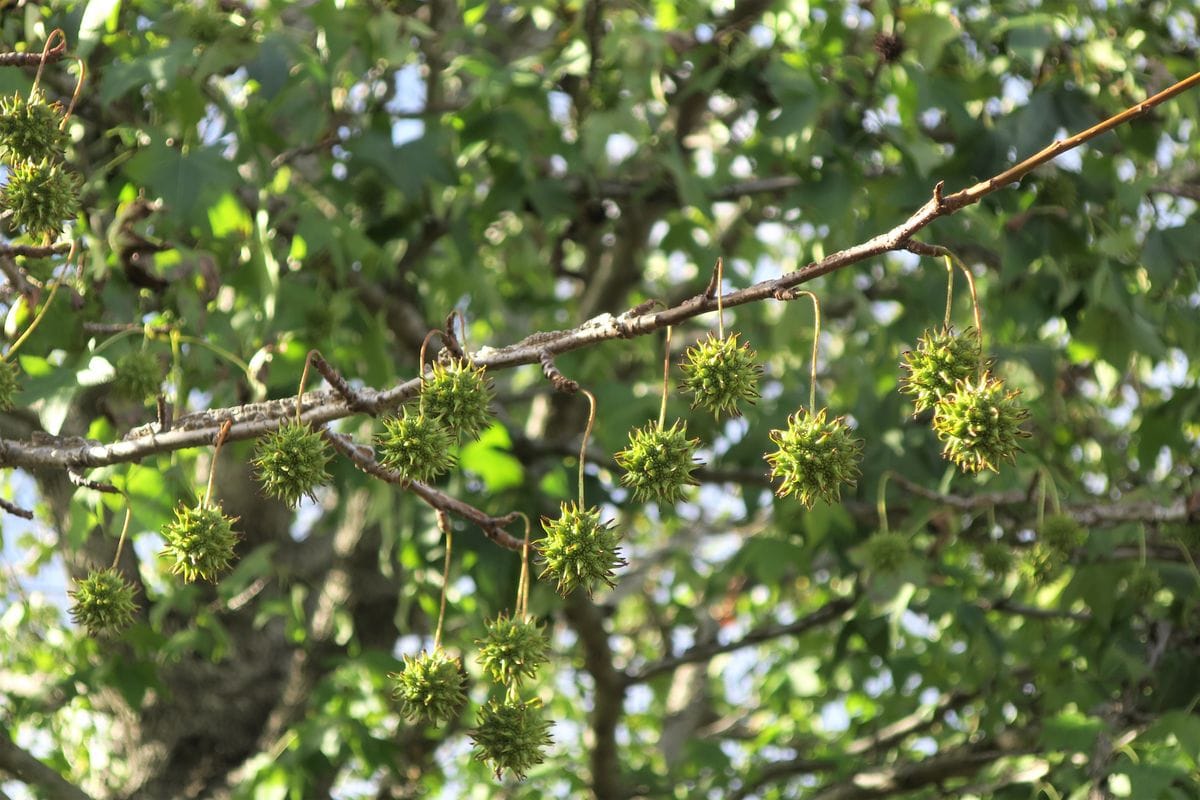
9 385
290 462
41 195
511 735
459 395
886 553
720 375
1042 564
941 360
138 376
431 687
1061 532
1143 584
513 649
417 446
658 463
579 550
997 558
103 602
199 542
29 130
979 424
815 458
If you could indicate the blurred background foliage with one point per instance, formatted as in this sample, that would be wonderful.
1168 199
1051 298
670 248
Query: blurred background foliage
262 178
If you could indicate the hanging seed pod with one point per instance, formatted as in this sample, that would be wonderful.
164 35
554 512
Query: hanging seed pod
29 129
886 553
290 462
997 558
137 376
816 457
199 542
720 375
514 648
9 385
979 424
941 360
431 687
511 735
103 602
41 195
658 462
1061 532
459 395
417 446
578 550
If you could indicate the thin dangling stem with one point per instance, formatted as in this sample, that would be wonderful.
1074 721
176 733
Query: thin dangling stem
720 293
953 259
444 525
1142 544
303 380
462 326
1041 512
662 411
46 48
949 293
212 468
587 434
522 604
37 320
881 502
812 389
1047 479
75 96
991 512
124 530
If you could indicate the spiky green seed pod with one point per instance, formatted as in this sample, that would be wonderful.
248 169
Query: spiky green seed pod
513 649
459 395
103 602
1143 584
41 195
137 376
886 553
720 375
979 424
816 457
1042 564
29 129
941 360
658 463
290 462
431 687
9 385
199 542
511 735
1061 532
417 446
997 558
579 550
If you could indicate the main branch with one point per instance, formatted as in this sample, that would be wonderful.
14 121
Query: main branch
253 420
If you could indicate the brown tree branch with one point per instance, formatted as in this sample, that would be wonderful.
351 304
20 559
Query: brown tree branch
608 699
827 613
253 420
24 767
958 762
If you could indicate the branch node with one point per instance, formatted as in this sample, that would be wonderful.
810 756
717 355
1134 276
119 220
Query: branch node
560 382
938 200
15 510
714 283
353 398
450 338
86 483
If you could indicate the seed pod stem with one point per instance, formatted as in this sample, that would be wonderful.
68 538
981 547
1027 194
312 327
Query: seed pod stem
444 524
